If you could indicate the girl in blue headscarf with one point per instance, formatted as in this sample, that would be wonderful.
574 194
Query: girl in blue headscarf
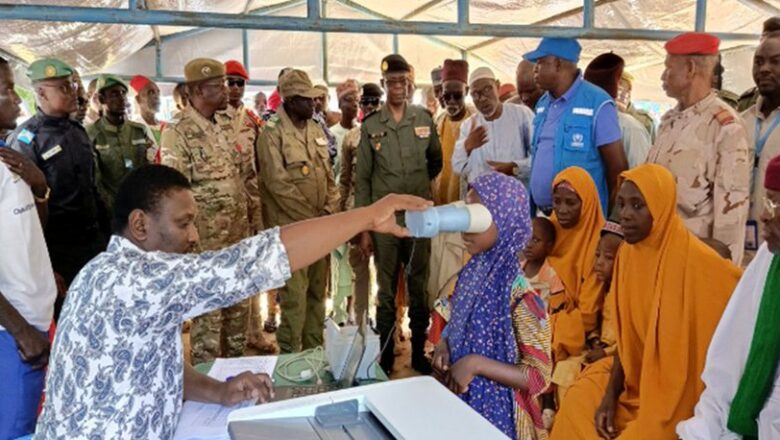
495 352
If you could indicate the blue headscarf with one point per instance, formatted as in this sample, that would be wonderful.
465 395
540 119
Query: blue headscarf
481 320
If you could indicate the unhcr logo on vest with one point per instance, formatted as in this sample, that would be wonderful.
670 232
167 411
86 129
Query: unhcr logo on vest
577 140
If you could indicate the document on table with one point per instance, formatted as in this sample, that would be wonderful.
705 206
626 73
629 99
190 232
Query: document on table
224 368
206 421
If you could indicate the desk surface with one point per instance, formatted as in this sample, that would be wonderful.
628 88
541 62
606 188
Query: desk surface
326 377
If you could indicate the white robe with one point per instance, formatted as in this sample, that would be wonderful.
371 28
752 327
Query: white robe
726 359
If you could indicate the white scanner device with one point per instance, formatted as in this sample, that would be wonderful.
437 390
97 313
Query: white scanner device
455 217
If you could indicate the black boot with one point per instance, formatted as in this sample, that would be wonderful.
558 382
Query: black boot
387 357
419 361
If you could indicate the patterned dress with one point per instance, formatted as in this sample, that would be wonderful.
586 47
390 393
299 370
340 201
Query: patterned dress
532 332
497 315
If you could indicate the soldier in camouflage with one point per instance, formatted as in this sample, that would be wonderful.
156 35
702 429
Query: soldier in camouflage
198 146
244 127
296 182
702 142
120 145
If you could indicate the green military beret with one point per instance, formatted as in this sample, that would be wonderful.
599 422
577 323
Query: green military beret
48 68
395 63
107 80
201 69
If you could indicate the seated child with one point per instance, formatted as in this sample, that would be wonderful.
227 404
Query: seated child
546 283
600 343
603 344
539 273
495 350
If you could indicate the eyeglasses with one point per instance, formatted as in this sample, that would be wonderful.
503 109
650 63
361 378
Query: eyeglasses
771 206
485 92
452 96
236 82
65 88
369 101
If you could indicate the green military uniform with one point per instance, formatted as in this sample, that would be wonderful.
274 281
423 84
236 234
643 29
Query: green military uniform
728 97
644 118
206 155
118 149
747 99
398 157
296 183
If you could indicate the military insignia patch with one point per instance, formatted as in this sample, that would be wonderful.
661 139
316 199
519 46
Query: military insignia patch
206 70
384 66
50 71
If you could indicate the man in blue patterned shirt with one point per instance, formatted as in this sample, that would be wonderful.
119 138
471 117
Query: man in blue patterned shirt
116 370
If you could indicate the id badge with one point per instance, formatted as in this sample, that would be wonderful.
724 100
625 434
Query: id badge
751 236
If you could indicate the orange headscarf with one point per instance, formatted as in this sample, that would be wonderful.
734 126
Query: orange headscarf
670 290
572 258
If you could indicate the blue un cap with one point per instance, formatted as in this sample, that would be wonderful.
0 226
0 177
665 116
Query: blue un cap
564 48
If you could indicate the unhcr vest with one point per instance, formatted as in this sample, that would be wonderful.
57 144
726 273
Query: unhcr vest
575 139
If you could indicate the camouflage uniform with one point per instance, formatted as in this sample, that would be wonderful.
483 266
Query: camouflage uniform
751 117
245 127
296 183
118 151
204 152
705 147
359 263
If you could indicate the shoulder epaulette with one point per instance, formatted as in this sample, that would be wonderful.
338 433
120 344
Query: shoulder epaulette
724 117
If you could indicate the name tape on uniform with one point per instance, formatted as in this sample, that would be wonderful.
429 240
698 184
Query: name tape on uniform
51 152
582 111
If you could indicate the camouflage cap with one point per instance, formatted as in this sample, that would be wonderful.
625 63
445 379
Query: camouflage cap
201 69
297 83
107 80
48 68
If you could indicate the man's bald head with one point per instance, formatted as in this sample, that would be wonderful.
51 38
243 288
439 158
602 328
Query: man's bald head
527 89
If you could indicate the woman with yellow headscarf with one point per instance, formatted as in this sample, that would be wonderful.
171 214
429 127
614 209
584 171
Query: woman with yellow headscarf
575 313
669 291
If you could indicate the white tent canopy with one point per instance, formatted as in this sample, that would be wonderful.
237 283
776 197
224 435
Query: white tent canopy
129 49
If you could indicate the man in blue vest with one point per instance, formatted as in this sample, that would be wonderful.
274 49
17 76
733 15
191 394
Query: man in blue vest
576 124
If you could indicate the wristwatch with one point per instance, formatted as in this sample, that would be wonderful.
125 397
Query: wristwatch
45 197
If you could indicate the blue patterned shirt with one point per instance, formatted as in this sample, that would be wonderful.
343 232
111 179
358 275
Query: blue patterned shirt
116 369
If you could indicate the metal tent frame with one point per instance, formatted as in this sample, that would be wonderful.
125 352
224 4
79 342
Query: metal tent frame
261 19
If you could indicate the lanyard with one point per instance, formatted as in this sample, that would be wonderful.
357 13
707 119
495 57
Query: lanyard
761 140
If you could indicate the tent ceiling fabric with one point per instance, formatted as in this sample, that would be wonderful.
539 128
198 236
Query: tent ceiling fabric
121 48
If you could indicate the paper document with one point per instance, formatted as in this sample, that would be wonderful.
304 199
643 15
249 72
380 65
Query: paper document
206 421
224 368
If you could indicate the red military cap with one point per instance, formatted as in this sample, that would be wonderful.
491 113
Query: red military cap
234 68
138 83
772 177
456 70
693 43
506 89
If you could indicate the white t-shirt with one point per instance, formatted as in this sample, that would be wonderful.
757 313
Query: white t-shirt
26 276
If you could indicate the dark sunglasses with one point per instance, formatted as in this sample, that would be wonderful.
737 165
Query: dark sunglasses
369 101
81 101
236 82
454 96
